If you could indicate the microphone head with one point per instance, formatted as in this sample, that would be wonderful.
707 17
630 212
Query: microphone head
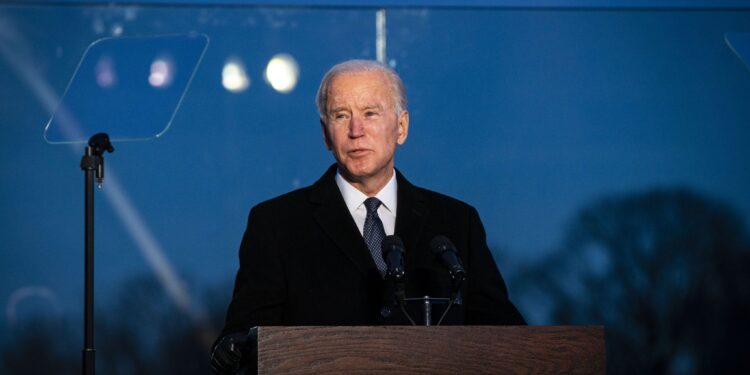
391 243
441 244
393 255
447 254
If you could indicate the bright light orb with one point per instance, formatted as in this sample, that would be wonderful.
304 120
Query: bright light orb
117 30
162 73
233 77
282 73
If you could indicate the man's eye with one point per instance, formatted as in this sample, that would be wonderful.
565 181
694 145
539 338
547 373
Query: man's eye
371 113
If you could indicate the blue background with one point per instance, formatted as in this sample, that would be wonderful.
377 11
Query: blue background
527 113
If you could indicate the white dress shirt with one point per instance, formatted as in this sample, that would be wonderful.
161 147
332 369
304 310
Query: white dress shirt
355 202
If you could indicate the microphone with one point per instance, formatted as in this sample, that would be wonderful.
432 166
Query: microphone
447 254
395 276
393 255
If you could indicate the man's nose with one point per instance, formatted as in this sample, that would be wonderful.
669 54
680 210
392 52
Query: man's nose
356 127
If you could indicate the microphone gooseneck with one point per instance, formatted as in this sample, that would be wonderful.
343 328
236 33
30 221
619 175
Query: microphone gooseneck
447 254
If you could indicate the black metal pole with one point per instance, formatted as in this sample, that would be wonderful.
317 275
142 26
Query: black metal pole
427 311
88 308
92 165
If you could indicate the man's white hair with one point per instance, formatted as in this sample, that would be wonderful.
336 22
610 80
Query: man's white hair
359 66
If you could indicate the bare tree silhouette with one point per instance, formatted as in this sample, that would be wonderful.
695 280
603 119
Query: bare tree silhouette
42 344
141 333
668 274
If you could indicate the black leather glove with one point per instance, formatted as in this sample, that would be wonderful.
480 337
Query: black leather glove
227 353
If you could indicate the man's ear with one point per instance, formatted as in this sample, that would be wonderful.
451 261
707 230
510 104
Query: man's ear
403 127
326 139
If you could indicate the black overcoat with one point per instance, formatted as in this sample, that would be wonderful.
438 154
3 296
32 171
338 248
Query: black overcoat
304 262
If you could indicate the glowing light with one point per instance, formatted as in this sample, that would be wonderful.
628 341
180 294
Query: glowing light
131 13
98 25
105 73
282 73
162 73
233 76
117 29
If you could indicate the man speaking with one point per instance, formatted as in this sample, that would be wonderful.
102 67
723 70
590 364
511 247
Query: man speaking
314 257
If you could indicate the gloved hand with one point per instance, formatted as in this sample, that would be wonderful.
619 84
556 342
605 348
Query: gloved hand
227 353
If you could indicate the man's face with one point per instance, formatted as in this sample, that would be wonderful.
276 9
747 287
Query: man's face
362 127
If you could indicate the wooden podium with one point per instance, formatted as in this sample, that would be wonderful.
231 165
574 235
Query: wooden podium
431 350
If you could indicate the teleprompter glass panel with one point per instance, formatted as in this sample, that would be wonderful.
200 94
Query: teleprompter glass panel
129 88
740 44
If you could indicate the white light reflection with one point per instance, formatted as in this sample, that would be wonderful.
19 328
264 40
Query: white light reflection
282 73
233 76
97 25
130 13
105 72
162 73
117 29
27 292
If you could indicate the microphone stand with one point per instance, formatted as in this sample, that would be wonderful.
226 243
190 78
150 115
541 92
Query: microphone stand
92 164
395 294
427 303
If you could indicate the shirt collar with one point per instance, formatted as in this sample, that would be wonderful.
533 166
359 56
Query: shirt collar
355 198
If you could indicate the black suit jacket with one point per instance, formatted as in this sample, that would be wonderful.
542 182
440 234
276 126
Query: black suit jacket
304 262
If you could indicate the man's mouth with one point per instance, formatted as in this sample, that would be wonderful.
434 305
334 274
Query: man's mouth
357 152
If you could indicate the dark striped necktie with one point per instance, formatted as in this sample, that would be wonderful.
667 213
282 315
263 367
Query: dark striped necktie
374 233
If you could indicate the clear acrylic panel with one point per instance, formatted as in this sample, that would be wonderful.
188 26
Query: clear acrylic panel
740 45
127 87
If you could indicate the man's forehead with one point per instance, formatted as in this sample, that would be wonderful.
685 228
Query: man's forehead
361 75
368 88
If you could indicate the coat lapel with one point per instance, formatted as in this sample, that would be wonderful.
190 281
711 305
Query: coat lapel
411 215
334 218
